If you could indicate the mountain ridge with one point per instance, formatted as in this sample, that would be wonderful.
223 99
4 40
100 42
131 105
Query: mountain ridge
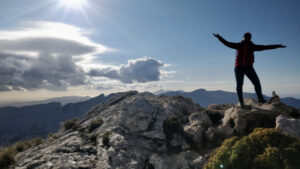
145 131
73 110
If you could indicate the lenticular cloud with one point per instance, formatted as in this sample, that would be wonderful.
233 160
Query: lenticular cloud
44 56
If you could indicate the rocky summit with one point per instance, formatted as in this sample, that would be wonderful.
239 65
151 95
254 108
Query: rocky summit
143 131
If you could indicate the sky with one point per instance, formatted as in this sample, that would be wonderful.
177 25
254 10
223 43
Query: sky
54 48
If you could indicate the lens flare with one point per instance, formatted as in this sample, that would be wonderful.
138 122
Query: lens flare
73 3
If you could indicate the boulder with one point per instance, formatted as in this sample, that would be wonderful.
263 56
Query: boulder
224 132
259 115
290 126
200 118
216 112
245 121
183 160
194 129
195 133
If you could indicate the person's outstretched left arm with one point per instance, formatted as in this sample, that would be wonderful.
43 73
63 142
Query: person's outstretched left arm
266 47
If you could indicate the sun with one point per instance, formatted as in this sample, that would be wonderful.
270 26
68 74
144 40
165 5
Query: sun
75 4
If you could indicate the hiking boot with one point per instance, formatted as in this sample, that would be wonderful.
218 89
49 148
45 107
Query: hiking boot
262 101
246 107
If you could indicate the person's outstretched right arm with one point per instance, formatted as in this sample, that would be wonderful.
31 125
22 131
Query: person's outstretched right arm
266 47
226 43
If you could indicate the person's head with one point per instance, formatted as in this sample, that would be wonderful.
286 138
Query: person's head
247 37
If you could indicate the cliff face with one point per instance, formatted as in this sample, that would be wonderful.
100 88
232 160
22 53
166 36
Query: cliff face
144 131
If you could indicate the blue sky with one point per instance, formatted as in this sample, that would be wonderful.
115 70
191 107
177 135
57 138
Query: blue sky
145 45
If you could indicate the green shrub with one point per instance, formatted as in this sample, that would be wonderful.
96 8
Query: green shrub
70 124
105 139
7 155
80 129
93 138
52 136
36 141
24 145
21 146
95 124
171 126
84 135
7 158
263 148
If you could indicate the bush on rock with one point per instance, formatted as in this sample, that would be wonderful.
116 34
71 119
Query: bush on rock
263 148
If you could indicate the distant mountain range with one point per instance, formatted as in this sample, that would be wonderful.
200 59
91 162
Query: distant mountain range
18 123
205 98
63 100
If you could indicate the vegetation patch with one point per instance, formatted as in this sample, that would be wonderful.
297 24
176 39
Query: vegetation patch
95 124
171 126
7 155
52 136
89 137
70 124
105 139
80 129
24 145
93 138
263 148
84 135
7 158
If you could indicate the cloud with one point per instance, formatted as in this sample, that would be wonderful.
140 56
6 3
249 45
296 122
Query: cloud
44 55
55 56
50 36
46 45
140 70
46 71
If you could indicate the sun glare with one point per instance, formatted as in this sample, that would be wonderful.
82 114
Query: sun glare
73 3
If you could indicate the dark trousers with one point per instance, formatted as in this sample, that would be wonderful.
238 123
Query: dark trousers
251 74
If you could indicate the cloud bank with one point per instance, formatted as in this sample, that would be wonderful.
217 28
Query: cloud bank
46 71
140 70
48 55
44 56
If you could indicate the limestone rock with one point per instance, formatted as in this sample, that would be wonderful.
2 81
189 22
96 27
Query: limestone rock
183 160
201 119
131 133
195 133
132 129
290 126
245 121
275 97
224 132
216 112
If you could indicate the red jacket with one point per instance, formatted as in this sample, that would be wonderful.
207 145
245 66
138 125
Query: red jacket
245 51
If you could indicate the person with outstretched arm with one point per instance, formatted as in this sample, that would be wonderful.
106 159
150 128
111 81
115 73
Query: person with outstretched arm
244 64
